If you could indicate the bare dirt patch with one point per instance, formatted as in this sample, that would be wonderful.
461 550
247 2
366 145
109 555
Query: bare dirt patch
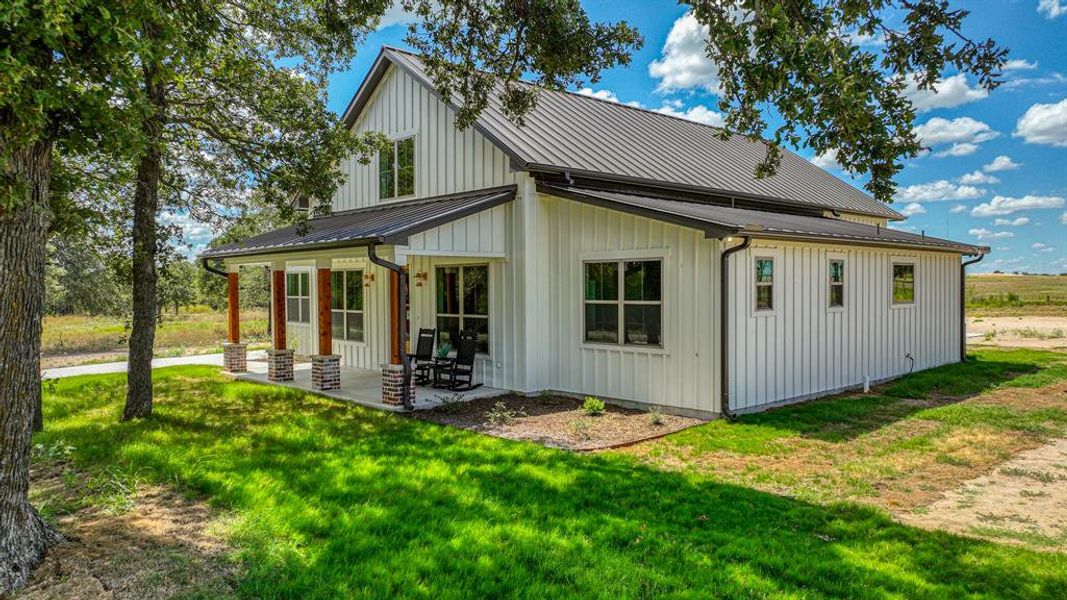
555 421
1018 330
1023 501
158 545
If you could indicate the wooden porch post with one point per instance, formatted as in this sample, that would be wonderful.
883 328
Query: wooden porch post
278 306
233 309
325 313
395 313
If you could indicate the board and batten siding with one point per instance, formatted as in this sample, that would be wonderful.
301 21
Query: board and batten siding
805 348
680 375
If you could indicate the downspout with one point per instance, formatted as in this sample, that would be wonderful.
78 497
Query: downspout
211 269
372 253
724 338
963 305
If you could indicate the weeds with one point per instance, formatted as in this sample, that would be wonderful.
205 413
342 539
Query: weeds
655 416
501 414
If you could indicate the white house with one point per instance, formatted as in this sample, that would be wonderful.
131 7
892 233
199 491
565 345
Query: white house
603 249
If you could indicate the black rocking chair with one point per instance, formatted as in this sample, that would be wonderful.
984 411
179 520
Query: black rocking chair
458 374
422 362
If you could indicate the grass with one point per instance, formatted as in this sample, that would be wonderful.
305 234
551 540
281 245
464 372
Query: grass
329 500
202 330
897 448
1016 290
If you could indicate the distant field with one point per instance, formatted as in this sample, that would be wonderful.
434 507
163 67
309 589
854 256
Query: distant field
192 330
1016 290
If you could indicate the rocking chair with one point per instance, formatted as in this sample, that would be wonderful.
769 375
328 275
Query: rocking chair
422 362
458 374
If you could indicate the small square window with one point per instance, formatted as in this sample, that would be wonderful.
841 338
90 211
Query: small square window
903 283
635 318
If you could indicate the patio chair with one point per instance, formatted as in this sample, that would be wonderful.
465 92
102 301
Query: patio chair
422 362
458 374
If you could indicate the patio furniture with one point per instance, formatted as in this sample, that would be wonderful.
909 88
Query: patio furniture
457 374
423 362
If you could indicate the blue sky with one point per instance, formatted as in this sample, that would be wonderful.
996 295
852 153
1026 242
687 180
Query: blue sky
997 170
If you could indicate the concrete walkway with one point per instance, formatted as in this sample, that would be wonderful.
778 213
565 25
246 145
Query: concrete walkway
120 367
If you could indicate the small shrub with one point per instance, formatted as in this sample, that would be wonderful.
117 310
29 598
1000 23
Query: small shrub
580 429
500 414
593 406
655 416
57 451
1056 333
1029 332
989 335
450 403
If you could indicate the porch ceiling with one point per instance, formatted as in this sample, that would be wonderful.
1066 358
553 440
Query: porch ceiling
390 223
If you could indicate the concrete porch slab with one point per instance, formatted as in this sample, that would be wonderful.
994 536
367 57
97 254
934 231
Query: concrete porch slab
363 387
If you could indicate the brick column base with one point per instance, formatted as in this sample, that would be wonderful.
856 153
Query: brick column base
279 365
235 358
325 372
393 385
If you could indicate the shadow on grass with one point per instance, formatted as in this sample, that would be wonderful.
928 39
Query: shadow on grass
338 501
846 417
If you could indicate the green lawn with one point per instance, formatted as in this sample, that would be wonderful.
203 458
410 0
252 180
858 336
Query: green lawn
331 500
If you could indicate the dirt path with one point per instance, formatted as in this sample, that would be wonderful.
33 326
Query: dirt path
1018 331
1024 502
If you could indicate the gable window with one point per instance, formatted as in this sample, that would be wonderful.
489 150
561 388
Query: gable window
463 304
764 284
396 169
301 203
297 298
624 302
837 283
903 283
346 305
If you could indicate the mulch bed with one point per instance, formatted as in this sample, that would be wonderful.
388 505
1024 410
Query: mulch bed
555 421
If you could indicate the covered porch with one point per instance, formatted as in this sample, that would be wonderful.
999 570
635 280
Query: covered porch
340 302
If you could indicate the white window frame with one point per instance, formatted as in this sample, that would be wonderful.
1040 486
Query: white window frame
620 259
396 168
911 262
300 299
831 258
462 315
344 310
757 284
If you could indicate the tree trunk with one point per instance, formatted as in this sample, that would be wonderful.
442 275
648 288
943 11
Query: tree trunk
145 277
24 538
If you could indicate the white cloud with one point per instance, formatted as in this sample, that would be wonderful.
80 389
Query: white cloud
1063 218
683 63
698 113
601 94
1044 124
1003 205
1001 163
985 234
1042 247
977 177
962 129
1051 8
1019 222
952 91
1018 64
937 191
1019 82
873 40
826 160
958 209
960 149
913 209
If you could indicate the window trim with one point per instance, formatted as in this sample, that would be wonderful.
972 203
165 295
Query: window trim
403 136
831 258
904 261
489 291
298 297
344 311
620 259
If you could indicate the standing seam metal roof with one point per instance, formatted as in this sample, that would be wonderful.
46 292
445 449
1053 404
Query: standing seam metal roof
389 223
598 138
721 221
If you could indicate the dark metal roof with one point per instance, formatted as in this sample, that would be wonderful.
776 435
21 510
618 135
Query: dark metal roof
568 132
720 221
389 223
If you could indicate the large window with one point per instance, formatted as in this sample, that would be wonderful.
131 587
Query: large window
297 298
463 304
346 304
764 284
837 283
396 169
624 302
903 283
